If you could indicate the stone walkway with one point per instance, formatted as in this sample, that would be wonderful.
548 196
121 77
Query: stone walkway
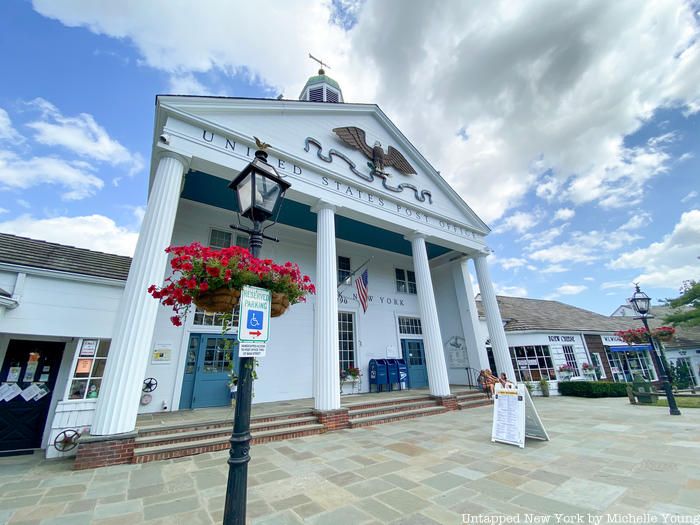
605 457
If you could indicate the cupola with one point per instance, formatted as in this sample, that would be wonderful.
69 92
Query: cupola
321 88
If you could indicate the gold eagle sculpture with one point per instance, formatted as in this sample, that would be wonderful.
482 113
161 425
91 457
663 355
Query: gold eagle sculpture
355 138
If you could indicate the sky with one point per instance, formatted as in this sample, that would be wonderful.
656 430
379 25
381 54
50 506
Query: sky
574 133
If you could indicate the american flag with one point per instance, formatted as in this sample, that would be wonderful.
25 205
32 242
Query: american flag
362 294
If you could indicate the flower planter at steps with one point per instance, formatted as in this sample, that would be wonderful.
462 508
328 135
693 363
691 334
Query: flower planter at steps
223 300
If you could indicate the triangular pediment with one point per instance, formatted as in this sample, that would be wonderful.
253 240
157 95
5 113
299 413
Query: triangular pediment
303 131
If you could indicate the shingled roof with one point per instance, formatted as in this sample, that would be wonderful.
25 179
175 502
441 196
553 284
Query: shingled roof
520 313
58 257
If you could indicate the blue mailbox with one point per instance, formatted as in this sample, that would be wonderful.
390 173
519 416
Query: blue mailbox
393 366
403 373
378 374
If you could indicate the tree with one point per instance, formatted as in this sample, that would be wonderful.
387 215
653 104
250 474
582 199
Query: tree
687 305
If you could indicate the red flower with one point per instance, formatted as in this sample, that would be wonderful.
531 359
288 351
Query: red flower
213 271
176 320
203 287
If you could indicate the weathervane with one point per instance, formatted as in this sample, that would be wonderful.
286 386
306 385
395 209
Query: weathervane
323 64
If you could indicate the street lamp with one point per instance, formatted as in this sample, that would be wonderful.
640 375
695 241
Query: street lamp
260 191
641 304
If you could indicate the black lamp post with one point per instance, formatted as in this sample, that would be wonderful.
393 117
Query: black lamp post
260 192
641 304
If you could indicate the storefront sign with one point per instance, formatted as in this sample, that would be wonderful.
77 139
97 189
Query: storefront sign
562 339
609 340
88 348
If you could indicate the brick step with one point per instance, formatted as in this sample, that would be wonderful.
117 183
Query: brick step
476 403
384 409
178 450
155 430
396 416
358 405
468 397
194 435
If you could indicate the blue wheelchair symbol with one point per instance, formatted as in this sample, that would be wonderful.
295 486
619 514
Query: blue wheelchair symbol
254 320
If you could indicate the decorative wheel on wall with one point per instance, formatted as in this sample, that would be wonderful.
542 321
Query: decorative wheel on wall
150 384
66 440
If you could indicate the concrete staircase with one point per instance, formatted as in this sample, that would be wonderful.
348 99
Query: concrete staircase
186 439
471 399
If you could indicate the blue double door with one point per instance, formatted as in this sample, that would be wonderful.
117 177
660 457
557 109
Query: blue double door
207 366
414 355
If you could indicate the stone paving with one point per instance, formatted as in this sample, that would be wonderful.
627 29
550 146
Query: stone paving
605 457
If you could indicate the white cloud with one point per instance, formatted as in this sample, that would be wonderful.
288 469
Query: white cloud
554 268
537 240
4 210
589 279
613 285
690 196
77 178
95 232
512 291
187 84
520 222
559 100
81 135
564 214
668 262
7 132
585 247
636 222
511 262
571 289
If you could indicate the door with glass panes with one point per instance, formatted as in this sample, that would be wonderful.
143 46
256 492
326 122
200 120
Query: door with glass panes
207 366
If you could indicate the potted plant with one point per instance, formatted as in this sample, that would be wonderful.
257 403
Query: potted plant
588 369
544 387
663 333
635 336
565 371
212 279
352 374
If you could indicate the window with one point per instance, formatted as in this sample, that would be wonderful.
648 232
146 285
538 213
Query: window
597 365
242 242
626 365
88 369
331 96
344 270
410 326
202 318
532 363
571 358
346 340
219 239
405 281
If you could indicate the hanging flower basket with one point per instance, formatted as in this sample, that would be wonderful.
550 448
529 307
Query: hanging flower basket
634 337
221 300
664 333
212 280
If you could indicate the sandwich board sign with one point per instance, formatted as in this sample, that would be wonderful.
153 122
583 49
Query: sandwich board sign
515 417
254 321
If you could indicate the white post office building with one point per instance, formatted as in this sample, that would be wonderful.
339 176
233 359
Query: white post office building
360 192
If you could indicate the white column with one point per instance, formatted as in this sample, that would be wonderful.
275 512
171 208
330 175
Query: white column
326 351
434 353
469 316
499 344
120 392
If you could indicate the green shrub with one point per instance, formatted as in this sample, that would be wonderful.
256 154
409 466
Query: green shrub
592 389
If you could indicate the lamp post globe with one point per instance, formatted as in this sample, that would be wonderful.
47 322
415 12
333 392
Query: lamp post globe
642 304
259 193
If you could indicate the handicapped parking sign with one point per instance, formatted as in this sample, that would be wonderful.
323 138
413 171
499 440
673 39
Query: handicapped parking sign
255 318
254 315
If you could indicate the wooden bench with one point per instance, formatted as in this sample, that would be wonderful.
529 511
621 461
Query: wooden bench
642 392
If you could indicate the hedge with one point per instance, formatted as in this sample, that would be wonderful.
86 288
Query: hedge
592 389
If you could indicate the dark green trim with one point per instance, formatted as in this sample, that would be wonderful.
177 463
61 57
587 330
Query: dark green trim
214 191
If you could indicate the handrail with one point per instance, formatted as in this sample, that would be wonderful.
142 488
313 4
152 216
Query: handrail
472 375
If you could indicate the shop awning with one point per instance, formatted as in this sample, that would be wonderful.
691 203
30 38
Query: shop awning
630 348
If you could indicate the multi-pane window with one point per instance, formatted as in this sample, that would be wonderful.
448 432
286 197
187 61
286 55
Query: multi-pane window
532 363
346 340
571 358
344 270
410 326
217 358
219 239
598 366
405 281
202 318
626 365
89 369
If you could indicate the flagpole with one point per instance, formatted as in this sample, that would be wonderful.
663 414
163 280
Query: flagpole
349 277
